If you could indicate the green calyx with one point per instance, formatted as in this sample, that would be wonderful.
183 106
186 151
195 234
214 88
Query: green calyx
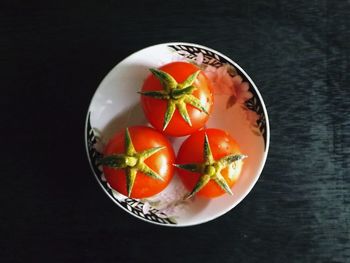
211 169
178 95
132 161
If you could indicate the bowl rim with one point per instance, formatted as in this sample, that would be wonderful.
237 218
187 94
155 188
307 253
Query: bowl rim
267 143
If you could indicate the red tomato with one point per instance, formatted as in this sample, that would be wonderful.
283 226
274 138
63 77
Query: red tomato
220 170
190 110
149 162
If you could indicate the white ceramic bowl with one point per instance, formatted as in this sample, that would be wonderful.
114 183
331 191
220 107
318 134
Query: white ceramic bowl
115 106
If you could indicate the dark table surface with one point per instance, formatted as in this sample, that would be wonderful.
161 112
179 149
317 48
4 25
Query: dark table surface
52 58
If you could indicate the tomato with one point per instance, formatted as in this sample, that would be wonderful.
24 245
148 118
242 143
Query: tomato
177 98
209 163
138 162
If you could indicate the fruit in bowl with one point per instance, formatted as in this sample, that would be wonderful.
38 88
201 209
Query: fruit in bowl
212 93
177 98
209 162
138 162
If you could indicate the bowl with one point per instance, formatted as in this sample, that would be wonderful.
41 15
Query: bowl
238 109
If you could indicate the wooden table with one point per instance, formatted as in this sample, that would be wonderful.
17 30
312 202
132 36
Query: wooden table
52 58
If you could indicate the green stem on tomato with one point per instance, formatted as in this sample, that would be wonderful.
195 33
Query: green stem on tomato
132 162
178 95
210 169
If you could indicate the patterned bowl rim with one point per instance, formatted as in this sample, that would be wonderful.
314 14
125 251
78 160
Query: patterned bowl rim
266 138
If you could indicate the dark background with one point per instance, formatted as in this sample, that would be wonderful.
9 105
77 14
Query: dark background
52 58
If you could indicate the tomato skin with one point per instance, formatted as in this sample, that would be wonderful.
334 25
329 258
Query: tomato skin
155 109
191 151
161 162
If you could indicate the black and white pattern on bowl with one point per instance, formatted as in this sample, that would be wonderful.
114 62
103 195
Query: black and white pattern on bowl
216 60
134 206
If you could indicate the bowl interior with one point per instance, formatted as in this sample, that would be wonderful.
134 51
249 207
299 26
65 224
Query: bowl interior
115 106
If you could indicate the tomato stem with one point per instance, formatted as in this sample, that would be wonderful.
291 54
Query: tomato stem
178 95
211 169
132 162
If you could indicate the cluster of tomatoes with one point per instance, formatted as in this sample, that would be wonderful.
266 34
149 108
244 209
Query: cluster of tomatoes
177 100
